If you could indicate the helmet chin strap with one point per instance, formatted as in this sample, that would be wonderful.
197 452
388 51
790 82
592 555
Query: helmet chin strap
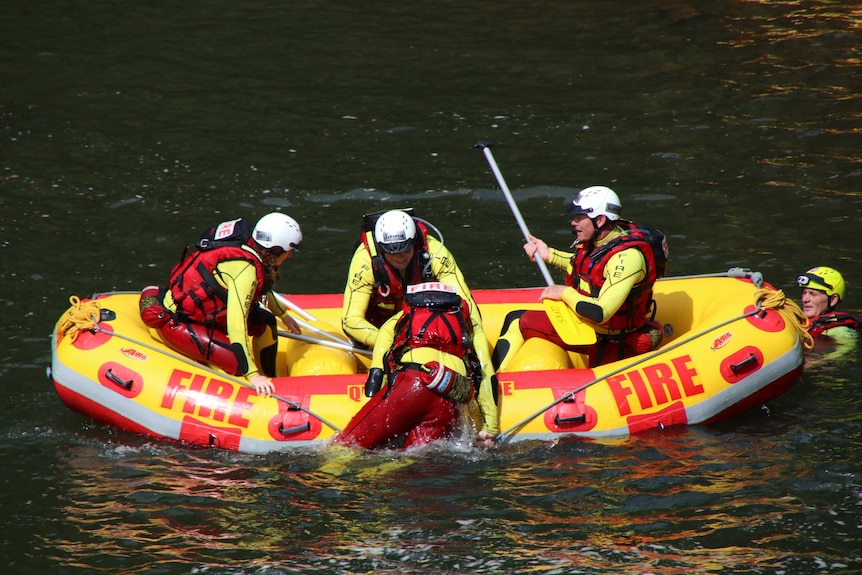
597 229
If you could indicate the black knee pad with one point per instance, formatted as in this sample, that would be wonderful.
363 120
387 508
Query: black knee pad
267 360
241 363
500 351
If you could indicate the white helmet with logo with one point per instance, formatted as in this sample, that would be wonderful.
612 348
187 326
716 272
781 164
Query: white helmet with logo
394 232
277 229
597 201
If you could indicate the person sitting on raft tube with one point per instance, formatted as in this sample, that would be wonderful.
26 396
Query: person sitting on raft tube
609 284
211 309
425 367
823 289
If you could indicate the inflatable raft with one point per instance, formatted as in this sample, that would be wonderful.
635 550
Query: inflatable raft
729 346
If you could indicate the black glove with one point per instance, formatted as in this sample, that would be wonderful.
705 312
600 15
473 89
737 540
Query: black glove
374 381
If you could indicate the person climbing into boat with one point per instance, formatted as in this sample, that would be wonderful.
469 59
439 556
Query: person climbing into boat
609 284
396 250
823 289
211 310
425 369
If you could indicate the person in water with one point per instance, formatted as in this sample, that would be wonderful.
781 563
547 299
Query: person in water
424 369
609 284
823 290
211 308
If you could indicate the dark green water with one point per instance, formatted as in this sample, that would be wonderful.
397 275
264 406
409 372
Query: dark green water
125 129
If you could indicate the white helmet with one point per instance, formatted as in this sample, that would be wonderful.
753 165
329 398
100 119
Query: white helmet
277 229
394 232
597 201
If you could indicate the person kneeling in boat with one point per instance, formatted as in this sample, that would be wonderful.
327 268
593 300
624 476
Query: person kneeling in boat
425 357
609 284
823 289
211 309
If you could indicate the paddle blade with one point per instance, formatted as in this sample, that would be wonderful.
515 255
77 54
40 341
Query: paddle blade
569 326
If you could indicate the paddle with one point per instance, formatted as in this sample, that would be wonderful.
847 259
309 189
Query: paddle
566 322
304 324
292 306
331 340
325 342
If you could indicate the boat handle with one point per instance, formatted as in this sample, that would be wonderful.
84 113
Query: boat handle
737 367
582 418
125 384
295 429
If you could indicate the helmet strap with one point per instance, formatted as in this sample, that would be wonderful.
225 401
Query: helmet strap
596 228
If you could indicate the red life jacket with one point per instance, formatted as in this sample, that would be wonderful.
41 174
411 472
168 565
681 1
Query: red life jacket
387 297
834 319
199 298
589 264
437 320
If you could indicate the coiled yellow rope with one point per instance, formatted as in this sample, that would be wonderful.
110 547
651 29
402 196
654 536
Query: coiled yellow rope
78 318
789 310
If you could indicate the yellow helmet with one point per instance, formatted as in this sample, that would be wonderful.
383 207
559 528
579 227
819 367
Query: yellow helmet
823 279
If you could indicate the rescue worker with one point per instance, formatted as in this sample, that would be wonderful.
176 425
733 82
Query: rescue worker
425 358
823 289
395 251
211 308
609 284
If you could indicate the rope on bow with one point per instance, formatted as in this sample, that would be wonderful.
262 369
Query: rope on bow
789 310
80 317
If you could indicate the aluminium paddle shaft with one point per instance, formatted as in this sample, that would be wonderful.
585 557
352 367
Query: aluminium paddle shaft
486 149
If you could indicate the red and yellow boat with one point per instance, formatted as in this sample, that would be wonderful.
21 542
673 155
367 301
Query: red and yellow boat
729 346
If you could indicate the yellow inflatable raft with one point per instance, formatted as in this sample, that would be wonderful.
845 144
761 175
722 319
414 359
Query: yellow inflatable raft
729 346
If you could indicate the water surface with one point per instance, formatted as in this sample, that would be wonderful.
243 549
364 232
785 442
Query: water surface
126 129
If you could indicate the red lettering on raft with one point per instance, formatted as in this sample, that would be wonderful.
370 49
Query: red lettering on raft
655 384
212 398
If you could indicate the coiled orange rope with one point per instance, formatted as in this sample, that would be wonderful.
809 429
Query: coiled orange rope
789 310
80 317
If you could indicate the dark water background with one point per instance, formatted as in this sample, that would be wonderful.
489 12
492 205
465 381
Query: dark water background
127 128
